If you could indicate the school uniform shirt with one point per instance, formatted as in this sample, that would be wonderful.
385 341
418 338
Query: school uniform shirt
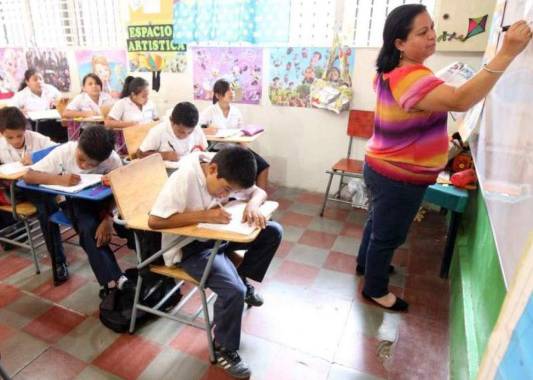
184 191
63 160
161 138
33 141
83 102
126 110
32 102
214 115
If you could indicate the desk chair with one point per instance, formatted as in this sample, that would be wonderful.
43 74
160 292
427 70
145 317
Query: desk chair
135 188
360 124
134 136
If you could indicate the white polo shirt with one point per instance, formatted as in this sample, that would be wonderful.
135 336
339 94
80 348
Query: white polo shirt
83 102
32 102
214 115
161 138
63 160
33 141
126 110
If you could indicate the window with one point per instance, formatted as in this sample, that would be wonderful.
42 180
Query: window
312 23
14 16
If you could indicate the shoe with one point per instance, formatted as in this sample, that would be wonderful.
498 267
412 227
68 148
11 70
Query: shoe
7 247
104 292
61 274
231 362
251 298
360 270
399 305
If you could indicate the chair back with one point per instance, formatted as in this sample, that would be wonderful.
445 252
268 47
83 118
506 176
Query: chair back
360 124
38 155
61 105
134 136
137 185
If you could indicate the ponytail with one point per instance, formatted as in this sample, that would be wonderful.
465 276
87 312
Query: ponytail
133 85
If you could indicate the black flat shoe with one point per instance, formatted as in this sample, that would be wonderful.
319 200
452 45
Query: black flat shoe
61 274
399 305
361 270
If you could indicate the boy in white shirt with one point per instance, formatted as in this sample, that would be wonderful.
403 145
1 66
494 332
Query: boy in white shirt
191 195
176 137
93 153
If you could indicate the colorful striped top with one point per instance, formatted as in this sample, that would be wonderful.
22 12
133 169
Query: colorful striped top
407 145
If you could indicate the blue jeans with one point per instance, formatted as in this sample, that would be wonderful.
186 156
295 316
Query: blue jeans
393 206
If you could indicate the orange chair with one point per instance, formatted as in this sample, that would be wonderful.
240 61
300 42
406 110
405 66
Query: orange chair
360 124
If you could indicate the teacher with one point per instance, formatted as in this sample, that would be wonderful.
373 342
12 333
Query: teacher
409 146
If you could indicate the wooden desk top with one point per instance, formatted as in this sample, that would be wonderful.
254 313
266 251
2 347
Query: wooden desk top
238 138
92 119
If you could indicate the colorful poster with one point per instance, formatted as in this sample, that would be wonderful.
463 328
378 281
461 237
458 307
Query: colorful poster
53 64
109 65
293 70
158 61
12 68
242 67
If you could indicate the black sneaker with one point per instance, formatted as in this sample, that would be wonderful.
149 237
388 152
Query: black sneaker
231 362
251 298
61 274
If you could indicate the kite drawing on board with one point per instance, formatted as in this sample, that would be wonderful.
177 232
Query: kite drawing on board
476 26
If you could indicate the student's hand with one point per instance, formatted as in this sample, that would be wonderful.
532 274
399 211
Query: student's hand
103 232
218 215
516 39
26 160
210 130
170 156
70 179
253 216
90 113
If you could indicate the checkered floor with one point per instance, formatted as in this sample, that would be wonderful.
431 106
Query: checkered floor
313 325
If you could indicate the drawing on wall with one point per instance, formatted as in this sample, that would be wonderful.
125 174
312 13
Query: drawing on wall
168 62
242 67
12 67
109 65
293 70
52 64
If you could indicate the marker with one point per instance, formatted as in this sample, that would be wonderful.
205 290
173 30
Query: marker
506 27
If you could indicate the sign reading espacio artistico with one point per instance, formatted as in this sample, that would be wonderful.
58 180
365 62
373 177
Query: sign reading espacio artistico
152 38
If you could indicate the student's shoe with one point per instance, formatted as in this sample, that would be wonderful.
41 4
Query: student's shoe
231 362
61 274
7 246
399 304
360 270
251 298
104 292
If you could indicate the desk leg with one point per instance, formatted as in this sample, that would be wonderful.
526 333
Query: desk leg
450 244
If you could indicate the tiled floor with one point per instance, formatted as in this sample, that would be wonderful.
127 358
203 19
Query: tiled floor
313 325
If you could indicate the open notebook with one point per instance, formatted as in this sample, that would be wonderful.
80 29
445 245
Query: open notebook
236 209
46 114
87 180
12 168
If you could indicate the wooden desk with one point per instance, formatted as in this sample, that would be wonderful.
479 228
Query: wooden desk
134 136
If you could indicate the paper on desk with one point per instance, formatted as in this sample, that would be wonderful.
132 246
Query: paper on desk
47 114
12 168
87 180
229 132
236 209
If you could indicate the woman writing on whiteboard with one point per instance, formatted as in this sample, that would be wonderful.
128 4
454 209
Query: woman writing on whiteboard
410 143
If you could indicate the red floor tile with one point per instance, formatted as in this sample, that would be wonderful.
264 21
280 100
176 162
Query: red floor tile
57 293
296 219
284 249
8 294
11 264
296 274
128 356
318 239
284 204
52 364
336 214
311 198
352 230
340 262
401 257
54 324
192 341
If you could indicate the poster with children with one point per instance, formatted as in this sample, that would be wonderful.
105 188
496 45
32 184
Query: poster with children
110 65
242 67
52 64
12 67
293 70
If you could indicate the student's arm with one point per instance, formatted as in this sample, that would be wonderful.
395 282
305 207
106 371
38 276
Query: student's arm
34 177
448 98
214 215
252 214
70 114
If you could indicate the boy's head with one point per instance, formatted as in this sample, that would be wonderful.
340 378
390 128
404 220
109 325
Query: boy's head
13 126
183 119
95 145
232 169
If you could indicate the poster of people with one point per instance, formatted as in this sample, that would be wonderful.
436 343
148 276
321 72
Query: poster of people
293 70
109 65
12 67
242 67
53 64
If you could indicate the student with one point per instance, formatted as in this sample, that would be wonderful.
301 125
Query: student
191 195
176 137
91 99
35 95
221 114
93 153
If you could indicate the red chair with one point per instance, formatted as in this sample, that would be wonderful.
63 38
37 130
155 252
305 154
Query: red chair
360 124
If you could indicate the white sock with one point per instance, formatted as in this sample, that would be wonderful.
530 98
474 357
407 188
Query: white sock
121 281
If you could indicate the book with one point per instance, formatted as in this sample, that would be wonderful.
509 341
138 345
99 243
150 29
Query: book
12 168
252 129
230 132
236 209
87 180
47 114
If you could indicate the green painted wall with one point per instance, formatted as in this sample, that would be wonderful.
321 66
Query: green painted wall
477 290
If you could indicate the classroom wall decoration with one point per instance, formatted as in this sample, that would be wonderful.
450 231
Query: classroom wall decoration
242 67
12 67
294 69
53 64
109 65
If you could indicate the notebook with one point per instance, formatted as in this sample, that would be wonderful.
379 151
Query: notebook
87 180
224 133
47 114
236 209
12 168
252 129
